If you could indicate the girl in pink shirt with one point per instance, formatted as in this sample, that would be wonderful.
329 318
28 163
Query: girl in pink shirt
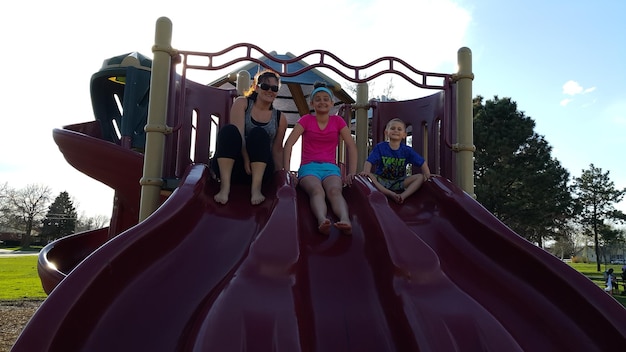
319 174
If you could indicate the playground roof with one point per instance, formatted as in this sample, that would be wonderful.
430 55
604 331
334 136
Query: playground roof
294 92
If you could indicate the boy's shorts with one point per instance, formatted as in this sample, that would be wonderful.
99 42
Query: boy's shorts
319 170
396 185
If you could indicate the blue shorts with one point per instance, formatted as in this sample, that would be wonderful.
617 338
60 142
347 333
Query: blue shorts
319 170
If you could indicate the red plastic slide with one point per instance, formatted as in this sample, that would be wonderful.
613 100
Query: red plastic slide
438 273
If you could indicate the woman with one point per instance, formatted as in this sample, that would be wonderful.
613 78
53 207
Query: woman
251 147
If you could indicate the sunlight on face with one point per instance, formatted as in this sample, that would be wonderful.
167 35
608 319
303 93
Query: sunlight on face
322 97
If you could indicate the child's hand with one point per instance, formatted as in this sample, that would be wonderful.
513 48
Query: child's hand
348 179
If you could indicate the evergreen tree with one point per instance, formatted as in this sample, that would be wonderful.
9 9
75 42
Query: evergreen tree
61 218
516 177
596 196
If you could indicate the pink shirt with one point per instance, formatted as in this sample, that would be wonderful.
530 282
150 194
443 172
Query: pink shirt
320 145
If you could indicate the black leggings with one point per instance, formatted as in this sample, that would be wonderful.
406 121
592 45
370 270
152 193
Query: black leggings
228 145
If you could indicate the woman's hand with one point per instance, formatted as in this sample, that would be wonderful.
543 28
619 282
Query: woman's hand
293 178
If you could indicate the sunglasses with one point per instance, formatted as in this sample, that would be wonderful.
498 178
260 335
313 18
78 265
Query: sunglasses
266 86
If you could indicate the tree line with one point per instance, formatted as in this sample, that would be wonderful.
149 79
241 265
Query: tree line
523 185
516 178
31 210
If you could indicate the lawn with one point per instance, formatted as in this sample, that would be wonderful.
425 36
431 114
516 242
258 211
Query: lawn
590 270
20 279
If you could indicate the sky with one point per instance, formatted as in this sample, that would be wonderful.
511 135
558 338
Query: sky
562 62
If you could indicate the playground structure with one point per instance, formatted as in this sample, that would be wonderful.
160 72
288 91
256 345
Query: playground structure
175 271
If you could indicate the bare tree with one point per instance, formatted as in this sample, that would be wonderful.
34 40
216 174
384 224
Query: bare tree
85 223
4 205
26 207
388 90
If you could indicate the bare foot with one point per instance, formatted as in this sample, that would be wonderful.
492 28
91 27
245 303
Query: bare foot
221 197
393 196
401 198
257 198
324 227
344 227
397 198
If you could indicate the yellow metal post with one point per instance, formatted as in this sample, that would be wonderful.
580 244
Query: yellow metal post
465 123
362 124
156 128
243 82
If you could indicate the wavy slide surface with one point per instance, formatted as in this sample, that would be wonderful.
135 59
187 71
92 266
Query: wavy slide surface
438 273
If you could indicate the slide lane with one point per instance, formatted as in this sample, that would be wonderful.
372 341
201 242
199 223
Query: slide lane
254 309
144 289
383 289
542 302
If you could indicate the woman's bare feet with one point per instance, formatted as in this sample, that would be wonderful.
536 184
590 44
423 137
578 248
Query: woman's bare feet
221 197
344 226
324 227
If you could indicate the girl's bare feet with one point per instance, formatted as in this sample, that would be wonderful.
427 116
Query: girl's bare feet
257 198
344 226
324 227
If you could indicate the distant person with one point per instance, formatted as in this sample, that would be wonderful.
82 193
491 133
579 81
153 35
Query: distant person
391 158
250 148
319 174
610 281
624 278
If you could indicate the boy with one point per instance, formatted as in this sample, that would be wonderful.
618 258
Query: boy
391 158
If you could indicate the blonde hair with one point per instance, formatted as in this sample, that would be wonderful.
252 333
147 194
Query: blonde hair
397 119
388 125
260 77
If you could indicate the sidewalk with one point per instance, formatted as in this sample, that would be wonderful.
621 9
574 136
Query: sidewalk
10 253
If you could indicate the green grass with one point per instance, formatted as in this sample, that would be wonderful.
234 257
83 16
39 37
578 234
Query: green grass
20 279
591 270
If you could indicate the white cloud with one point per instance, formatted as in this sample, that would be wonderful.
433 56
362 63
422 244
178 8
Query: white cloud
572 88
589 90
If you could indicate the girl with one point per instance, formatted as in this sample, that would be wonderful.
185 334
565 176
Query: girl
319 174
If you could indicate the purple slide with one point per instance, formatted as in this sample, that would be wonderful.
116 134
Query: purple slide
438 273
